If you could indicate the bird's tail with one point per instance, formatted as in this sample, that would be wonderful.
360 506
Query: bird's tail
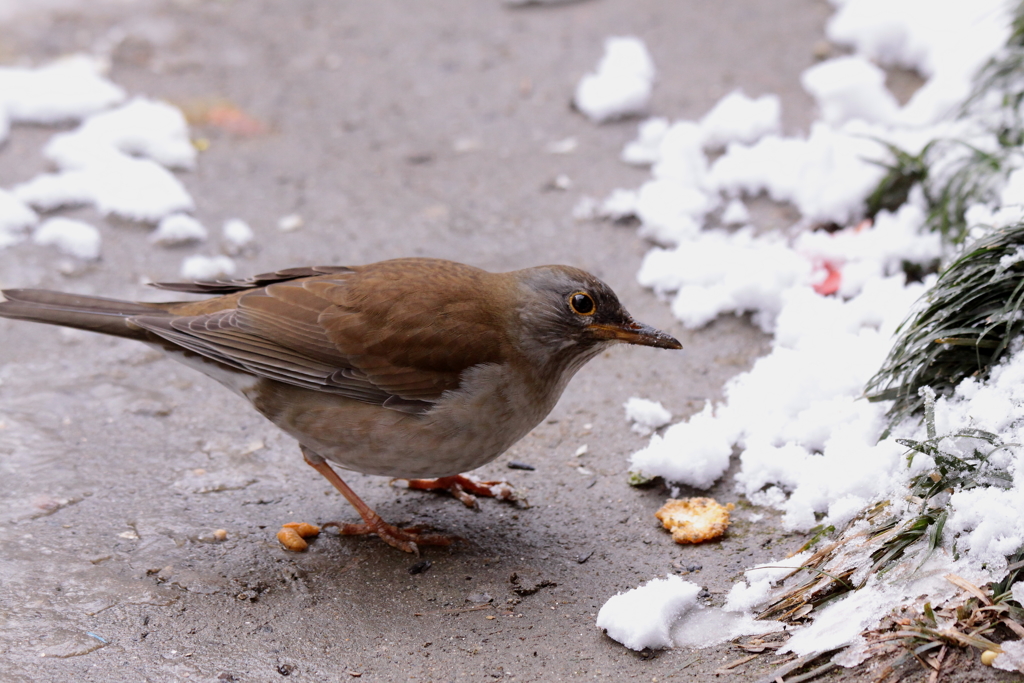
92 313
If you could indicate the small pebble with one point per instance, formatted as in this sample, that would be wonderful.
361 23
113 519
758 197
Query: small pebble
566 146
420 567
290 223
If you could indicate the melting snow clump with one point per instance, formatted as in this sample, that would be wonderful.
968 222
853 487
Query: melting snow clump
140 128
237 235
178 228
850 88
622 84
66 90
207 267
644 616
738 118
646 415
15 219
74 238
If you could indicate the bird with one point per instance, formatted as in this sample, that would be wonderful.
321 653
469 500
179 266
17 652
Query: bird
412 368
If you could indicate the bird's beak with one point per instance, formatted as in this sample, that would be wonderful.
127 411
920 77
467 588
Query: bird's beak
635 333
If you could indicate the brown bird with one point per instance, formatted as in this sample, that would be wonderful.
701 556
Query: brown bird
407 368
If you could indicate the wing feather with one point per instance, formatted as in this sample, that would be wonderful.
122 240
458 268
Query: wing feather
262 280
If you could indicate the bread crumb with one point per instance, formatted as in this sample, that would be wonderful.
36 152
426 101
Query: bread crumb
291 540
293 534
694 520
304 529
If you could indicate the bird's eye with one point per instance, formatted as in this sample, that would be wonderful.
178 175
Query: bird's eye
582 303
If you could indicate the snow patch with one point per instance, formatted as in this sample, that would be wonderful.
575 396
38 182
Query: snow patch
176 229
65 90
621 85
206 267
646 415
643 617
237 235
15 219
74 238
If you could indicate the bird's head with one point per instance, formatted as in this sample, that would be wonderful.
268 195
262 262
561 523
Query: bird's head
568 314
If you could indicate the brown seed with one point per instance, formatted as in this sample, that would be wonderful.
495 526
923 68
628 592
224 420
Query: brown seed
291 540
304 529
220 534
988 656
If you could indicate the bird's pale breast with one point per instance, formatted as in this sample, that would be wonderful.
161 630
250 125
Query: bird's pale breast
466 429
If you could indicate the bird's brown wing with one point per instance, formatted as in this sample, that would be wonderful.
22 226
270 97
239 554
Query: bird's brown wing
397 333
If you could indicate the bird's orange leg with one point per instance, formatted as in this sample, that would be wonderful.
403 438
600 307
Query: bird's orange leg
464 487
408 539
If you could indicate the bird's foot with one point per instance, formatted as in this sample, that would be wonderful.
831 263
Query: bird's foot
464 487
408 539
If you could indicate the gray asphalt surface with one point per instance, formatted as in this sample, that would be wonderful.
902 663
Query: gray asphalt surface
116 465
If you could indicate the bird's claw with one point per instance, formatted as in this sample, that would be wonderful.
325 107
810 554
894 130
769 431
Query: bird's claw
465 488
408 539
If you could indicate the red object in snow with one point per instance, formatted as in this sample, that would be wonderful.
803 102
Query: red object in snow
830 285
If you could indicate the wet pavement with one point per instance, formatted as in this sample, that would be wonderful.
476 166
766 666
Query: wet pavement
393 129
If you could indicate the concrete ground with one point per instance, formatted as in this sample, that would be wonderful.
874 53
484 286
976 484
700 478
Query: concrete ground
393 129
